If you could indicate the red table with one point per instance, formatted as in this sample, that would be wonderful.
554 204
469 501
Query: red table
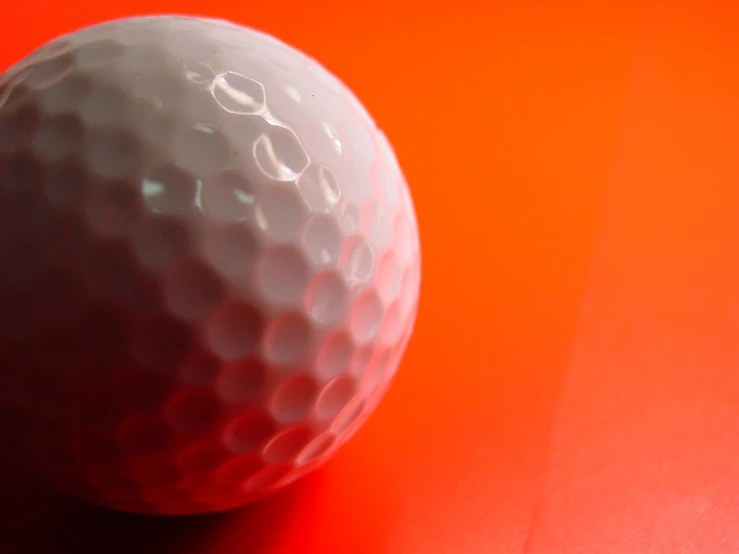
572 385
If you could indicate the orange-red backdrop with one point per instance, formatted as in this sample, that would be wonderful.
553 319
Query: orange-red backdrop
571 386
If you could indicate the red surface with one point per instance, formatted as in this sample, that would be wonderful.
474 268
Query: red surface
571 386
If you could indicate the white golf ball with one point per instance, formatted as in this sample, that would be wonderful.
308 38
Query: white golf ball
209 264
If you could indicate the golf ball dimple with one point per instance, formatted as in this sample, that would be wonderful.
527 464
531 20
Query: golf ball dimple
209 264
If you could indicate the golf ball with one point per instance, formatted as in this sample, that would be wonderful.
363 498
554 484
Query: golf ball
209 264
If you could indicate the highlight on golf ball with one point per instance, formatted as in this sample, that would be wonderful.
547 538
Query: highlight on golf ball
209 264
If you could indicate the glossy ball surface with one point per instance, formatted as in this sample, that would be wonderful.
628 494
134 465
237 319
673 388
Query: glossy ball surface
209 264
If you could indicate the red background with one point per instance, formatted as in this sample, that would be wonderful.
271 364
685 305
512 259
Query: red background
572 384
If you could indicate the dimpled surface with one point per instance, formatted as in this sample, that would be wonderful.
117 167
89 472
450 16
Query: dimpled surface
209 264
